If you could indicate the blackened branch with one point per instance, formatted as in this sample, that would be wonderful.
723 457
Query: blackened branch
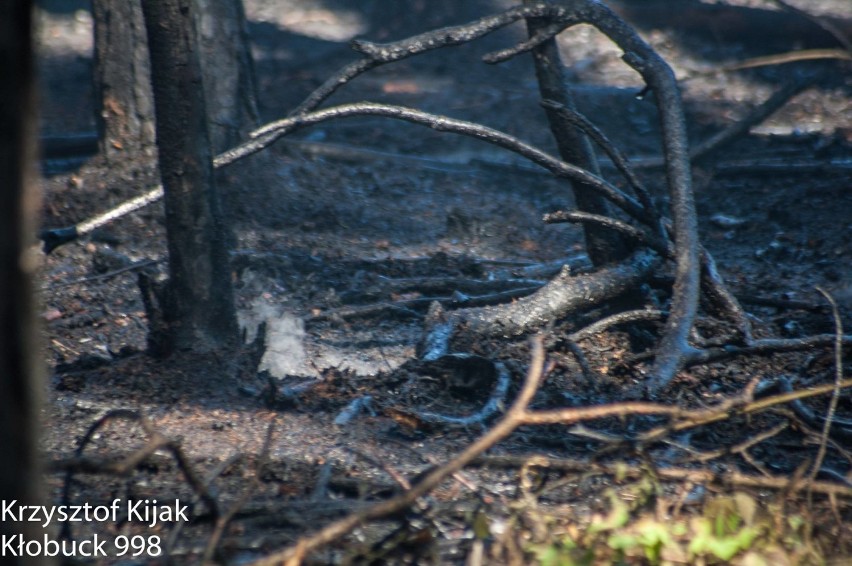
270 133
660 79
563 294
662 247
616 155
377 54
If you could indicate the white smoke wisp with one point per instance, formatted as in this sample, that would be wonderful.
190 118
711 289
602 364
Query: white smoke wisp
285 333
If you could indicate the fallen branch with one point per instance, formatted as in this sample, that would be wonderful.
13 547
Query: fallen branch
491 407
762 347
108 275
563 294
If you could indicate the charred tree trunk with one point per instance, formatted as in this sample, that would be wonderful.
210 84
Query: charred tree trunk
603 245
124 106
20 370
200 306
229 81
125 113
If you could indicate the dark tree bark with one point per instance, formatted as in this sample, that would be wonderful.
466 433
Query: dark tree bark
199 297
20 370
229 81
124 109
125 113
603 246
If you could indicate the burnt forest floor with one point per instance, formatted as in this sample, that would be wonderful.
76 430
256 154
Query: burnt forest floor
367 211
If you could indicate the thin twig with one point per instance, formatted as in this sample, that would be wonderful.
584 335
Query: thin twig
841 429
639 235
720 298
762 347
580 356
739 448
137 265
776 59
835 394
396 476
618 318
732 407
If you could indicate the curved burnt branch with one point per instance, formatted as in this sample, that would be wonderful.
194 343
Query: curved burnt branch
662 247
270 133
618 318
661 80
494 404
616 156
659 76
377 54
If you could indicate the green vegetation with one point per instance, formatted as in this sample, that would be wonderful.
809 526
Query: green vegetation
728 529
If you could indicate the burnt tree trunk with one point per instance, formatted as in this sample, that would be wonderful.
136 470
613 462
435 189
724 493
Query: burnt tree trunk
125 113
20 370
199 296
124 109
603 245
229 81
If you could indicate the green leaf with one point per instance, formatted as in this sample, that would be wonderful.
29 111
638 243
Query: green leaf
653 537
726 548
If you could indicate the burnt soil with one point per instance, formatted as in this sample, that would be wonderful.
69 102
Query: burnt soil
367 211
